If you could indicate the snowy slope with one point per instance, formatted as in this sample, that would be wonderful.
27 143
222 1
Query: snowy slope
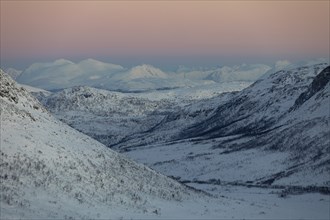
49 170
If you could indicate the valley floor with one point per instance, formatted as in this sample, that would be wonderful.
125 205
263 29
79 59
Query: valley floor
258 203
233 178
233 202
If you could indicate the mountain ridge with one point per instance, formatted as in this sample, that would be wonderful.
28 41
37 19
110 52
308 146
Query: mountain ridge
63 73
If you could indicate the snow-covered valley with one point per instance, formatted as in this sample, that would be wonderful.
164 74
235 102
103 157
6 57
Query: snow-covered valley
256 150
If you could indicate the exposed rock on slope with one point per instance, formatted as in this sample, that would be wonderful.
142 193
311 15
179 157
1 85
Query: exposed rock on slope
320 81
259 107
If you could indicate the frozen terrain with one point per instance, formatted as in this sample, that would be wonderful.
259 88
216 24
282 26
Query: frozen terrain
261 151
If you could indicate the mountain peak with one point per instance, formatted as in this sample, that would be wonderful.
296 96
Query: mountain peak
146 70
62 61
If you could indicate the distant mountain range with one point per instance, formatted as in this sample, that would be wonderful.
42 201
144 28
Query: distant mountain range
63 73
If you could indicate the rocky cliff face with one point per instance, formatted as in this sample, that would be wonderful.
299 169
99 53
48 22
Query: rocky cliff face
320 81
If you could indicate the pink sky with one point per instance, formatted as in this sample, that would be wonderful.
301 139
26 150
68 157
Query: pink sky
39 29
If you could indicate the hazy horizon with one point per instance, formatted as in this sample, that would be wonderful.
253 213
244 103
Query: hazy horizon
165 34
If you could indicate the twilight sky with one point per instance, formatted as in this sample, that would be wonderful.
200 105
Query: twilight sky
163 32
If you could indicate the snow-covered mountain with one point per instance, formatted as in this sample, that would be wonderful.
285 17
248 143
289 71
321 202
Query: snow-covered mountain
63 73
49 170
260 106
143 71
281 122
144 78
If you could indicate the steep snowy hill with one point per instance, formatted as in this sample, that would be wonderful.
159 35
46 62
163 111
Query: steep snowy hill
49 170
63 73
